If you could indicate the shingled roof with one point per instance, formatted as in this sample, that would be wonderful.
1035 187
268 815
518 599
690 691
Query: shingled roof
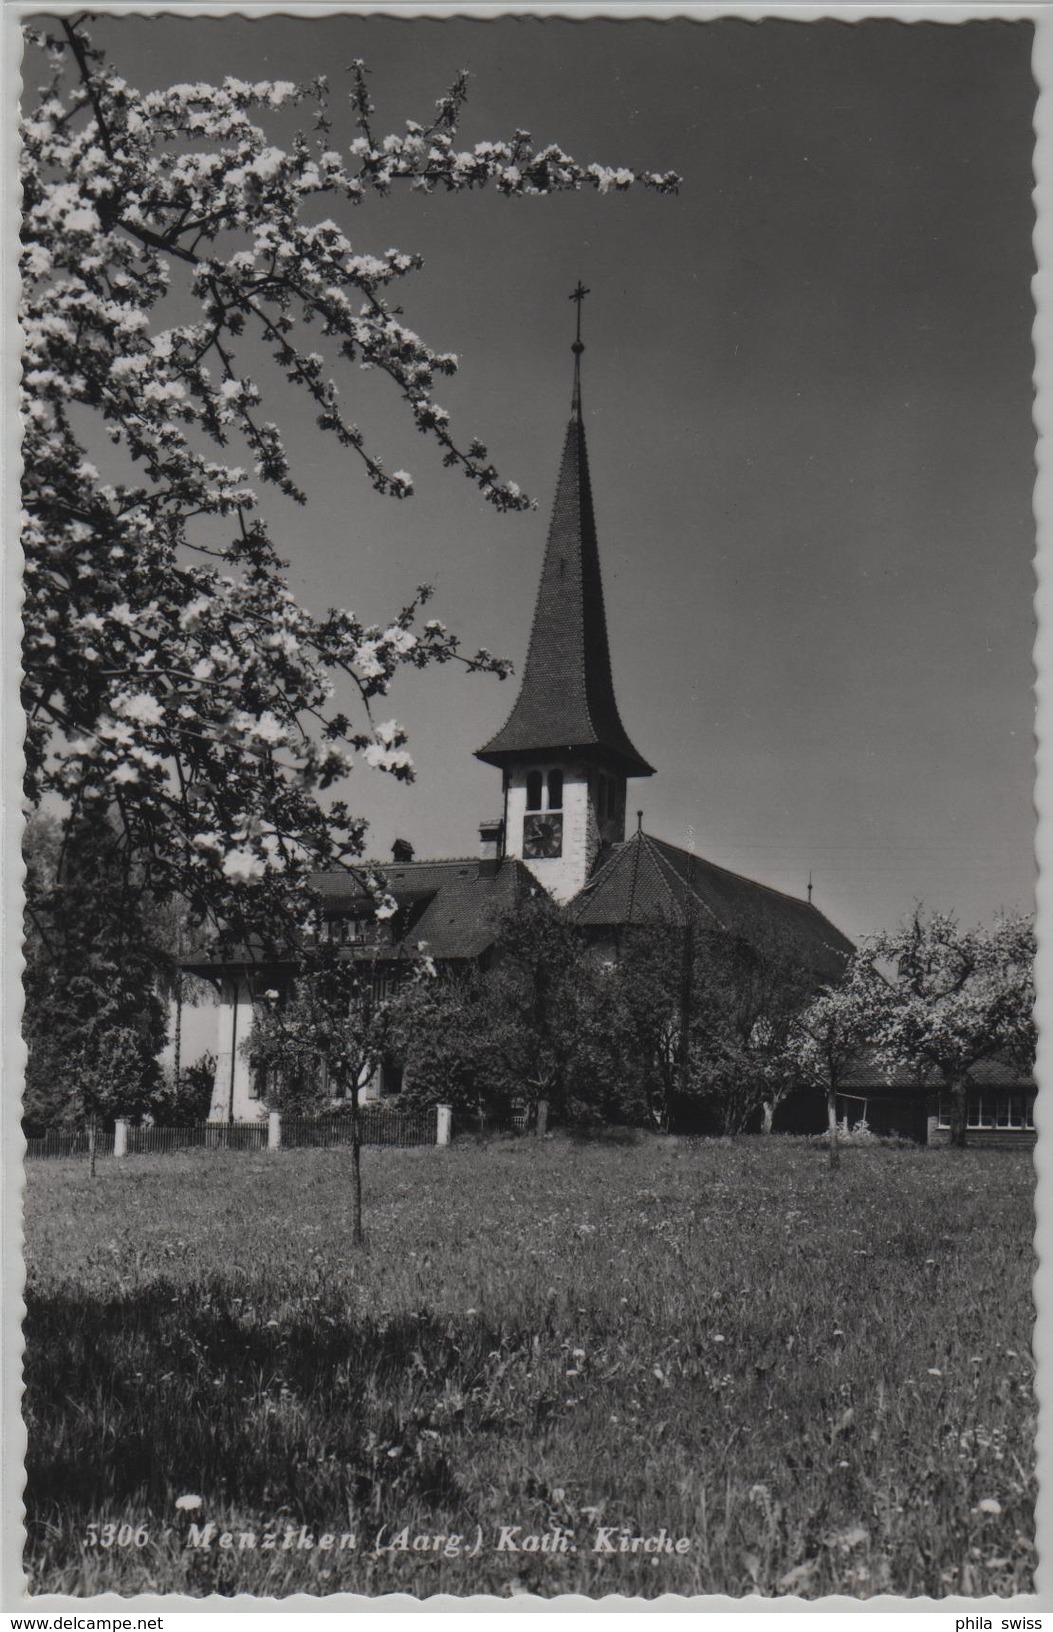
566 700
648 881
452 906
868 1071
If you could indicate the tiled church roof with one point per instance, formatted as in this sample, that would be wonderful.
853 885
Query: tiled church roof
647 881
566 700
452 906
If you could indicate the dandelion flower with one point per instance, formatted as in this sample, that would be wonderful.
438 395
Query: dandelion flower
989 1505
934 1371
188 1504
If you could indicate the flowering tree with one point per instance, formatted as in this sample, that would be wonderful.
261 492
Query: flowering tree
169 673
957 997
824 1040
325 1042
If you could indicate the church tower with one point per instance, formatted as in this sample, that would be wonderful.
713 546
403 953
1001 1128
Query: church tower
563 751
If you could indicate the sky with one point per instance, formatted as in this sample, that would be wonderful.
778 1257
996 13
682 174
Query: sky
807 393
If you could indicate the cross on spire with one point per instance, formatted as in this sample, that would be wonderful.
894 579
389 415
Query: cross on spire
578 296
577 348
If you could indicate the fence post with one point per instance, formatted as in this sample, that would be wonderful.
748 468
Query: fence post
274 1130
442 1125
120 1136
542 1118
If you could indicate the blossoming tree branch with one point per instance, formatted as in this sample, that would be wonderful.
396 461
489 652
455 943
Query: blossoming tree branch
170 675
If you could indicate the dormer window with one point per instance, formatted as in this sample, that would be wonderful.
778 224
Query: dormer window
533 790
555 790
348 931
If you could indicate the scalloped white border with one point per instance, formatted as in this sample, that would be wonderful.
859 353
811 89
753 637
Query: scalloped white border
12 1056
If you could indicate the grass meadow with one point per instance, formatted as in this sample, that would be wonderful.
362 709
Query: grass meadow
821 1379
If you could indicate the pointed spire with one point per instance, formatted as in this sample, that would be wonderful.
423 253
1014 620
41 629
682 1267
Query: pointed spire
566 701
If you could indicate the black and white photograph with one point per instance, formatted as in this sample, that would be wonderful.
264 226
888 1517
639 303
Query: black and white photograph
526 593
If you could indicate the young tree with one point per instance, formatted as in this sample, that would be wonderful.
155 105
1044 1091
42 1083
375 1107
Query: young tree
957 997
112 1076
325 1042
169 672
824 1040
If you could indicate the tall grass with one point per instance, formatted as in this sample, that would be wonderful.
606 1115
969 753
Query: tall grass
823 1380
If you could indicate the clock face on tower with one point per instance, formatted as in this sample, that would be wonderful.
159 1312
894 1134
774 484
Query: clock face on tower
542 836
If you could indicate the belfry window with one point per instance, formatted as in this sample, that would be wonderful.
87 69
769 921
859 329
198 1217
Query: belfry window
601 797
555 790
533 790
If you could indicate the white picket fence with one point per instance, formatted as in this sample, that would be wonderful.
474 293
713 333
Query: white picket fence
378 1125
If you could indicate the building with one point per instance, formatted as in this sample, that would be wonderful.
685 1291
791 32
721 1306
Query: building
565 761
999 1106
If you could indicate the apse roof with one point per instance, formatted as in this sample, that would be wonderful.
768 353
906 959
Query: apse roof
649 881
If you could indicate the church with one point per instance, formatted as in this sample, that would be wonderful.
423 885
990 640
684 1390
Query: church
565 764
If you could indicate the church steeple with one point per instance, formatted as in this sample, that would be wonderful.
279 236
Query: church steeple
566 701
563 749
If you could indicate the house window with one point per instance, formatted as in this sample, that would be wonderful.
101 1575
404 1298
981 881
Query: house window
1014 1111
391 1072
980 1111
555 790
992 1111
533 790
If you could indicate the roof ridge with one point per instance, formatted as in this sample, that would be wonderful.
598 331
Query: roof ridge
605 866
664 863
743 878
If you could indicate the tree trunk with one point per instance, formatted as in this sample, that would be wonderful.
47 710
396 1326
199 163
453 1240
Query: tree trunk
831 1123
959 1118
177 1060
687 954
356 1171
91 1147
768 1115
